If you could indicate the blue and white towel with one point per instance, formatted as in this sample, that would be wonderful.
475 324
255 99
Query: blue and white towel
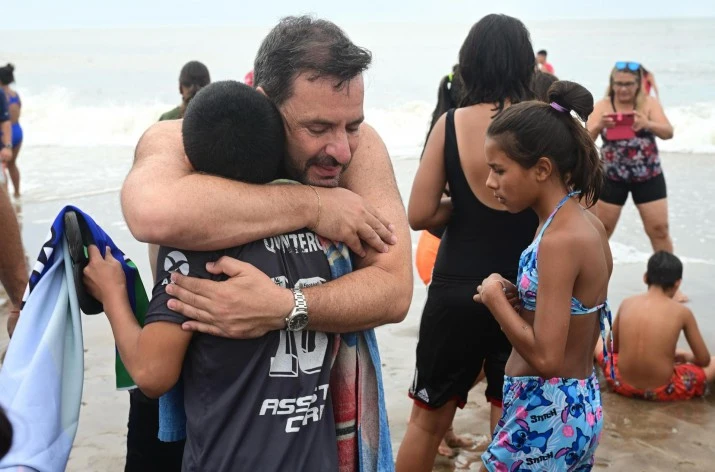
42 377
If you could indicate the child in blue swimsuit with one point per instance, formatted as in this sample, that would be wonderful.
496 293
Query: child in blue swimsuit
540 156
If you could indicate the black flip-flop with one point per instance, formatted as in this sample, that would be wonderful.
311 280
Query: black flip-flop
79 239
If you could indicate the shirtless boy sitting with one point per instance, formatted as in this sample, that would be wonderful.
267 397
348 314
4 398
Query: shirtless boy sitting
645 335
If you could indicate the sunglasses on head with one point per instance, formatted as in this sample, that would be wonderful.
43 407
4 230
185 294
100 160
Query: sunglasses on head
632 66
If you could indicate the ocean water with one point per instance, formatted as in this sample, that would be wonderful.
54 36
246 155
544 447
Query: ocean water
104 87
88 99
93 94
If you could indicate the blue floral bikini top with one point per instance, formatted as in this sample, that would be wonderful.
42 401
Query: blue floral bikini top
528 283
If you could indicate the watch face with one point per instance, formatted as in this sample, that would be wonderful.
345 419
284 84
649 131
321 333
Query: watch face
298 321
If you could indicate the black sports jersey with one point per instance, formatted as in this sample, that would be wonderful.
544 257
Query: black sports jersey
257 404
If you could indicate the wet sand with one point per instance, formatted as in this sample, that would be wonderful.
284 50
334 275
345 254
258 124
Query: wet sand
638 435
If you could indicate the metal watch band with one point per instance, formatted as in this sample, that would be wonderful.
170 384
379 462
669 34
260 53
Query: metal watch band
299 298
298 318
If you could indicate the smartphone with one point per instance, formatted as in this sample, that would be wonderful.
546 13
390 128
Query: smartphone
623 128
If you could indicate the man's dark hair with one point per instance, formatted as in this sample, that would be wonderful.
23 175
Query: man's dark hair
496 62
664 270
232 130
194 74
300 44
193 77
542 52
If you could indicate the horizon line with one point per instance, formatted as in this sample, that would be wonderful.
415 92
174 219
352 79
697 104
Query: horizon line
348 22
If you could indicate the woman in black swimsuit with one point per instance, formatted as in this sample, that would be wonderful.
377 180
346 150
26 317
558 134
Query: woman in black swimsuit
457 336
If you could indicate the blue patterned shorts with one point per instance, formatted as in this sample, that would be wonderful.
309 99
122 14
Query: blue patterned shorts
546 424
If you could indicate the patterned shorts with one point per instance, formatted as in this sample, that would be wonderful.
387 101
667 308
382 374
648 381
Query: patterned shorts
546 424
688 381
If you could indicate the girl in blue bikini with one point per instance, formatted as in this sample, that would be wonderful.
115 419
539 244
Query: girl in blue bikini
542 157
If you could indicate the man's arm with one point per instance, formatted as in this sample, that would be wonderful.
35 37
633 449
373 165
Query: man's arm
378 292
165 202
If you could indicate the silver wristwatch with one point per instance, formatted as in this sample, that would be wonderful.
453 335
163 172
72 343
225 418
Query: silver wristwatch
298 318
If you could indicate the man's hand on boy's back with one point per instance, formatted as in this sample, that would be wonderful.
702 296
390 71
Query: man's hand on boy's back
223 309
103 276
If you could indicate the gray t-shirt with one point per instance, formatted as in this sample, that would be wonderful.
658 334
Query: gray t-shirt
258 404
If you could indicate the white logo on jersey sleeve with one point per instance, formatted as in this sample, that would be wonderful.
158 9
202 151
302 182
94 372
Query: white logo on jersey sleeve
175 261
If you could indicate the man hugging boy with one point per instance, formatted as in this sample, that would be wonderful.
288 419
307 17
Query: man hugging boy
256 404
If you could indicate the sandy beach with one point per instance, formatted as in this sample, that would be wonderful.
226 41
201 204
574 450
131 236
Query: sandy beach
638 436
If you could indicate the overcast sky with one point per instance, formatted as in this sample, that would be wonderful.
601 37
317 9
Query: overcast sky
43 14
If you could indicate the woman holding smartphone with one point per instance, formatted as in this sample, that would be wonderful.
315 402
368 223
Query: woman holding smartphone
630 154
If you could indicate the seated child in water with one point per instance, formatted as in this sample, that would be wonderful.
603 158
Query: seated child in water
645 335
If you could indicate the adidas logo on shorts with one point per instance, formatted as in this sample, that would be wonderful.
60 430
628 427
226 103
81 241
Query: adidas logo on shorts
422 395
